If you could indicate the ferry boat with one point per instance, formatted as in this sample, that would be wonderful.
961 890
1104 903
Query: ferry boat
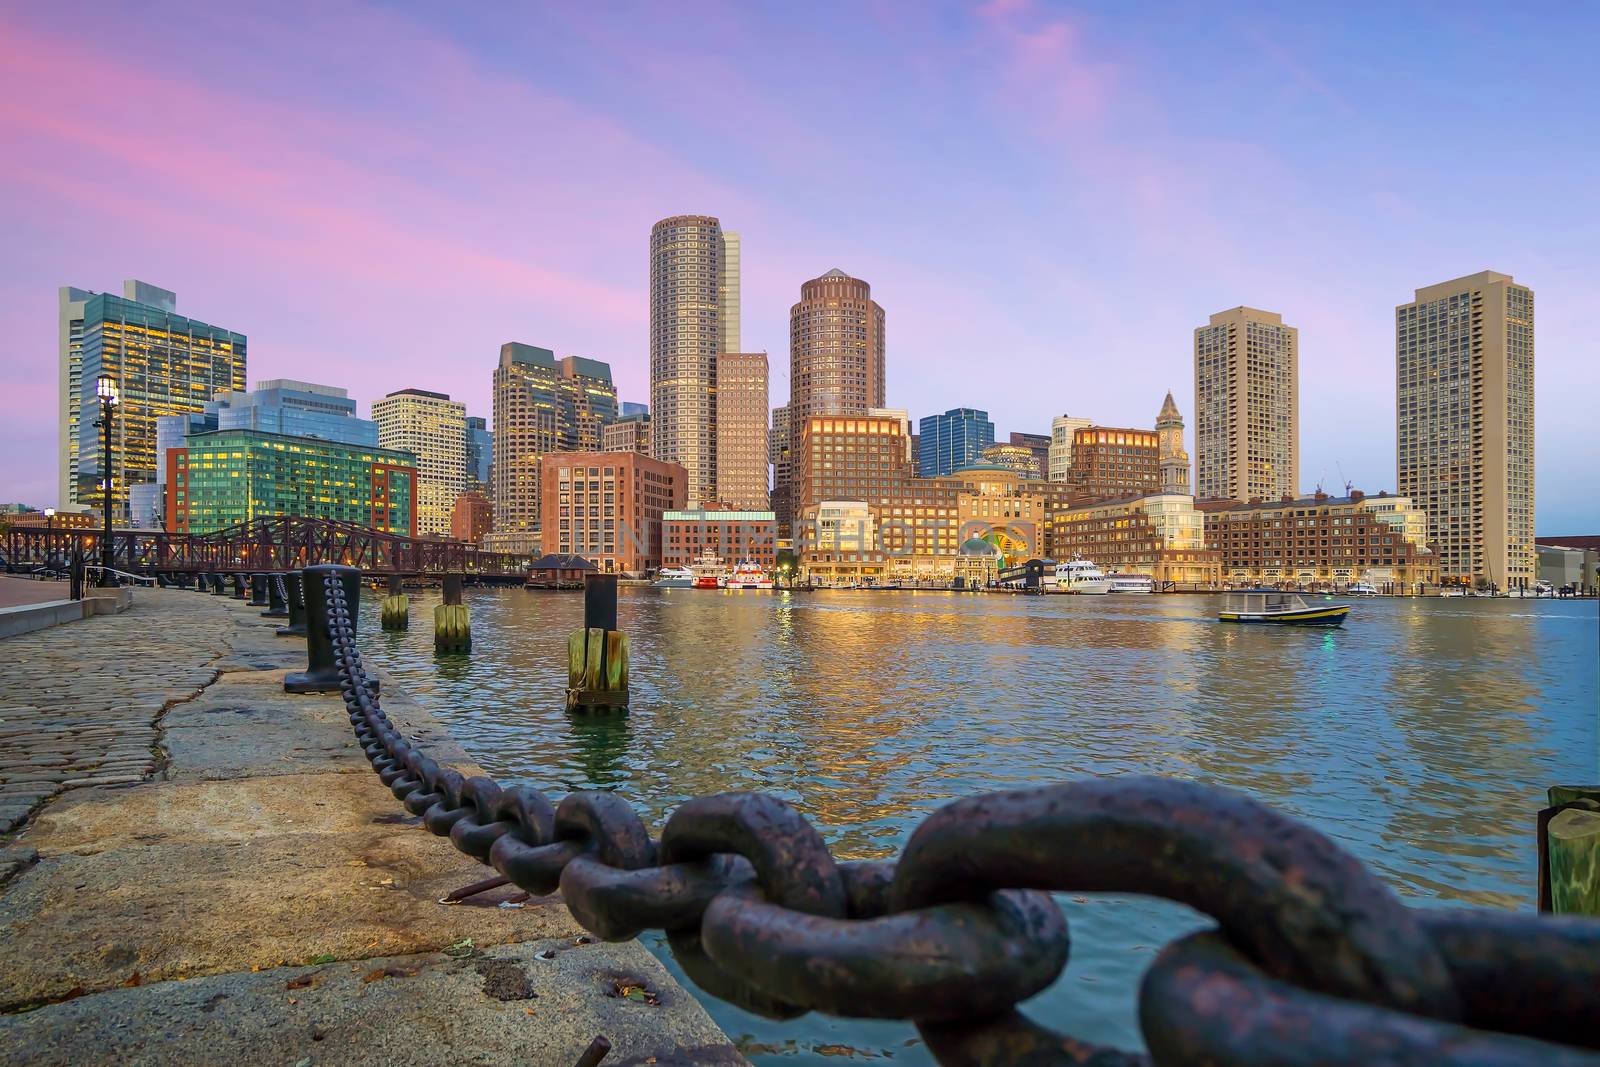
1270 605
748 575
1361 588
1081 576
708 572
1130 583
674 578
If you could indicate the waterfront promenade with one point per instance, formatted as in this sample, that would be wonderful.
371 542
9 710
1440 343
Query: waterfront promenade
198 868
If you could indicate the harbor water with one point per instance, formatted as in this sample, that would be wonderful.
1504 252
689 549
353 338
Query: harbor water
1421 735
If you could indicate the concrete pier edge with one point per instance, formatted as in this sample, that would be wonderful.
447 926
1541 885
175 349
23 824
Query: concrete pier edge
246 890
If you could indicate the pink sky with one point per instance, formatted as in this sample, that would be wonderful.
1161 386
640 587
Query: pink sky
1046 200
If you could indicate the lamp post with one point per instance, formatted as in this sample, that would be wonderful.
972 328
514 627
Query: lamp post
105 387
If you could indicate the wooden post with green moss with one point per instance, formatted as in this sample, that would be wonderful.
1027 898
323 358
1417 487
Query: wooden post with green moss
1569 851
452 630
396 613
597 655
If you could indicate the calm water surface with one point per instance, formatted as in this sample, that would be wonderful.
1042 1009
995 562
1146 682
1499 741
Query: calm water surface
1421 735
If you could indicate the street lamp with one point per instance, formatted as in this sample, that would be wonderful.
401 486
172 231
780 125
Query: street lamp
105 387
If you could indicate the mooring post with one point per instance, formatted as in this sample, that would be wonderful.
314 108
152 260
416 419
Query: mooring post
277 597
396 614
294 591
258 590
240 586
322 667
597 655
219 587
452 629
1569 851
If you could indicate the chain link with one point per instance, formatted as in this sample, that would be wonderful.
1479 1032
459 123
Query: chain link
1313 961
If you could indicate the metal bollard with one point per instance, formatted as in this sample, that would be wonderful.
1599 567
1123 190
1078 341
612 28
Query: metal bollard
240 587
322 671
258 590
218 586
277 606
294 589
597 655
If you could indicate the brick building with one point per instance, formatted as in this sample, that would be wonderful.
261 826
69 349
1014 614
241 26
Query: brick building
471 517
732 536
1318 541
607 507
1161 535
1113 462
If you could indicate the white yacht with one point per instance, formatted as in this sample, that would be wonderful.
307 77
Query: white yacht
1130 583
1081 576
674 578
1361 588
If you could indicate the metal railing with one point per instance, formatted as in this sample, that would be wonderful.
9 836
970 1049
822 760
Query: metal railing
1313 959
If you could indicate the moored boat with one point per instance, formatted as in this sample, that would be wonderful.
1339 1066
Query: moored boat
1361 588
747 574
1081 576
1130 583
708 572
674 578
1271 605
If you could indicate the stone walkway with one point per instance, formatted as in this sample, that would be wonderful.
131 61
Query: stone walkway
248 892
79 704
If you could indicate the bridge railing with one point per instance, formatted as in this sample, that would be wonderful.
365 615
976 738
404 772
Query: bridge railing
1313 959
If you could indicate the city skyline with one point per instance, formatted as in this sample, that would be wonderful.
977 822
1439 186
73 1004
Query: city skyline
325 255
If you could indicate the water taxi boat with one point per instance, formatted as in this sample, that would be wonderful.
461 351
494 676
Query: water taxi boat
747 574
1130 583
1270 605
674 578
1081 576
1361 588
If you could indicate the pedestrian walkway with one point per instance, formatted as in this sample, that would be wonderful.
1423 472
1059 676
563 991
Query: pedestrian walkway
221 878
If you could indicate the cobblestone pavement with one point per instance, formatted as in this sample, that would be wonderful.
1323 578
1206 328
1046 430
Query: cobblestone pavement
79 704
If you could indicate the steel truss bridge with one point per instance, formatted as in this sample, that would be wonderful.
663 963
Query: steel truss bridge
280 543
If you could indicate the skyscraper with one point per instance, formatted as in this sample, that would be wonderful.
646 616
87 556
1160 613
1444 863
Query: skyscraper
779 445
163 364
1464 424
742 430
836 353
953 440
1062 428
480 451
694 268
1039 445
541 405
433 428
1247 406
1174 458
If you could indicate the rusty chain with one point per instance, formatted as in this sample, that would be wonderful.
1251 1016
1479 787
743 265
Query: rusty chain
1313 959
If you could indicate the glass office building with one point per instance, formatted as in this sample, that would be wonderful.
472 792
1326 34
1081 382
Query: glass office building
480 450
299 409
225 477
952 441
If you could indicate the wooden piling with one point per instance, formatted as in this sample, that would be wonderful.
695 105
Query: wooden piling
597 655
396 609
452 629
1569 851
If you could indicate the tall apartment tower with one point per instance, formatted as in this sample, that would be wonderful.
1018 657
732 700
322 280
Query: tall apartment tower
1174 458
742 430
836 352
541 405
694 273
433 428
163 364
1062 427
1464 424
1247 406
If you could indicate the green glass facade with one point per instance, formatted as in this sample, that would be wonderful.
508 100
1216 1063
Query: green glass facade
225 477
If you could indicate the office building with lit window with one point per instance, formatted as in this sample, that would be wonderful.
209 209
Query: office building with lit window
1247 406
480 452
1464 425
1162 535
953 440
433 428
1062 427
1113 461
694 316
607 507
731 536
630 433
742 430
224 477
162 363
542 405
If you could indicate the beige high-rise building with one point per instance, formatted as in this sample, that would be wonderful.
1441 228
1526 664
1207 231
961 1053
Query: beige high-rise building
1062 427
1464 424
742 430
694 315
541 405
836 352
1246 407
433 428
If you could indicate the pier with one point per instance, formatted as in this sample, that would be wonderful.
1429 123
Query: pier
197 867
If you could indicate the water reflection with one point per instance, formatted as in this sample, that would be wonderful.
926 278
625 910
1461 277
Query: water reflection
1421 735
